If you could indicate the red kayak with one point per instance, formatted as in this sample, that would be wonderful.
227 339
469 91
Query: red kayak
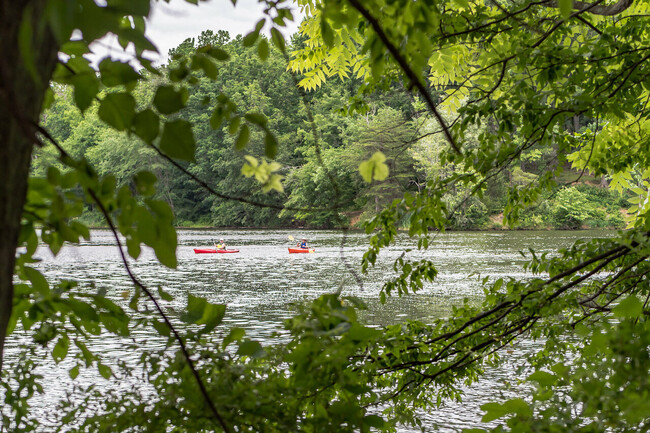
213 250
301 250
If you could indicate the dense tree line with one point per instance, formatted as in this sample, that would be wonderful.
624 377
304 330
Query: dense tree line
390 121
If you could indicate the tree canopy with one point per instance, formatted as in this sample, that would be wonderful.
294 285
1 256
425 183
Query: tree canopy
496 86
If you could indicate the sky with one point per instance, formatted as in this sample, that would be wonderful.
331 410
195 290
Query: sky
171 23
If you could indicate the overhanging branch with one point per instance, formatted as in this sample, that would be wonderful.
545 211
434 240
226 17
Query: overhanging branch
597 9
408 71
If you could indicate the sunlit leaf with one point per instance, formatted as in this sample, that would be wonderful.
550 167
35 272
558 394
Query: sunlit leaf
374 168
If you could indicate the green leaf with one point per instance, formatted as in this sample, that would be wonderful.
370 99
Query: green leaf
162 328
133 247
86 87
374 421
218 54
195 307
139 41
118 110
278 39
168 100
104 370
263 49
374 168
274 183
250 38
147 125
326 32
212 316
45 333
201 312
359 333
493 411
243 137
257 119
251 348
177 140
60 20
114 73
75 48
235 334
145 183
60 350
543 378
83 310
130 7
48 99
209 68
87 355
74 372
566 6
250 168
514 406
270 145
164 295
39 283
235 121
629 307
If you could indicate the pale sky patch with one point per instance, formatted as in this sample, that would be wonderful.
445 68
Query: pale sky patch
171 23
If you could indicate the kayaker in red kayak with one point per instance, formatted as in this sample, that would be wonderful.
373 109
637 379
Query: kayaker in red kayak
221 245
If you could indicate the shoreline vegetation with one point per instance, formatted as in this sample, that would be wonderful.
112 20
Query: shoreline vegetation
489 228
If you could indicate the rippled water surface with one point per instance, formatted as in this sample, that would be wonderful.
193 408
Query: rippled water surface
260 283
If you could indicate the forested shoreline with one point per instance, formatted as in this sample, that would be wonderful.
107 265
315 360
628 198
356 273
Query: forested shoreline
320 185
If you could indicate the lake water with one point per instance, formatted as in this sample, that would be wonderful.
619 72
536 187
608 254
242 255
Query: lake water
260 283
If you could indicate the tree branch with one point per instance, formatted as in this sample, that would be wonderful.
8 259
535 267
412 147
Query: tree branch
177 337
137 283
596 9
408 71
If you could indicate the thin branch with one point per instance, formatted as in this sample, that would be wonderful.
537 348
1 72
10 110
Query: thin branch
406 68
591 152
588 24
214 192
152 298
629 73
595 8
137 283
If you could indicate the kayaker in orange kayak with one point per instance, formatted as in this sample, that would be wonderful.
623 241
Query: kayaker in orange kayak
303 244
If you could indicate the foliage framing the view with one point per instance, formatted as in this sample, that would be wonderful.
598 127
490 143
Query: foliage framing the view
520 71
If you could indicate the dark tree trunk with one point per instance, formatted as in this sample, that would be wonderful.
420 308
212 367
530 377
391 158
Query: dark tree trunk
21 98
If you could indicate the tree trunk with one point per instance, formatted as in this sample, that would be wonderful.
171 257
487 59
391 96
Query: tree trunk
21 99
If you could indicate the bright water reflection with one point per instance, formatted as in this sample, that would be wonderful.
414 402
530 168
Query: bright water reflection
260 283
